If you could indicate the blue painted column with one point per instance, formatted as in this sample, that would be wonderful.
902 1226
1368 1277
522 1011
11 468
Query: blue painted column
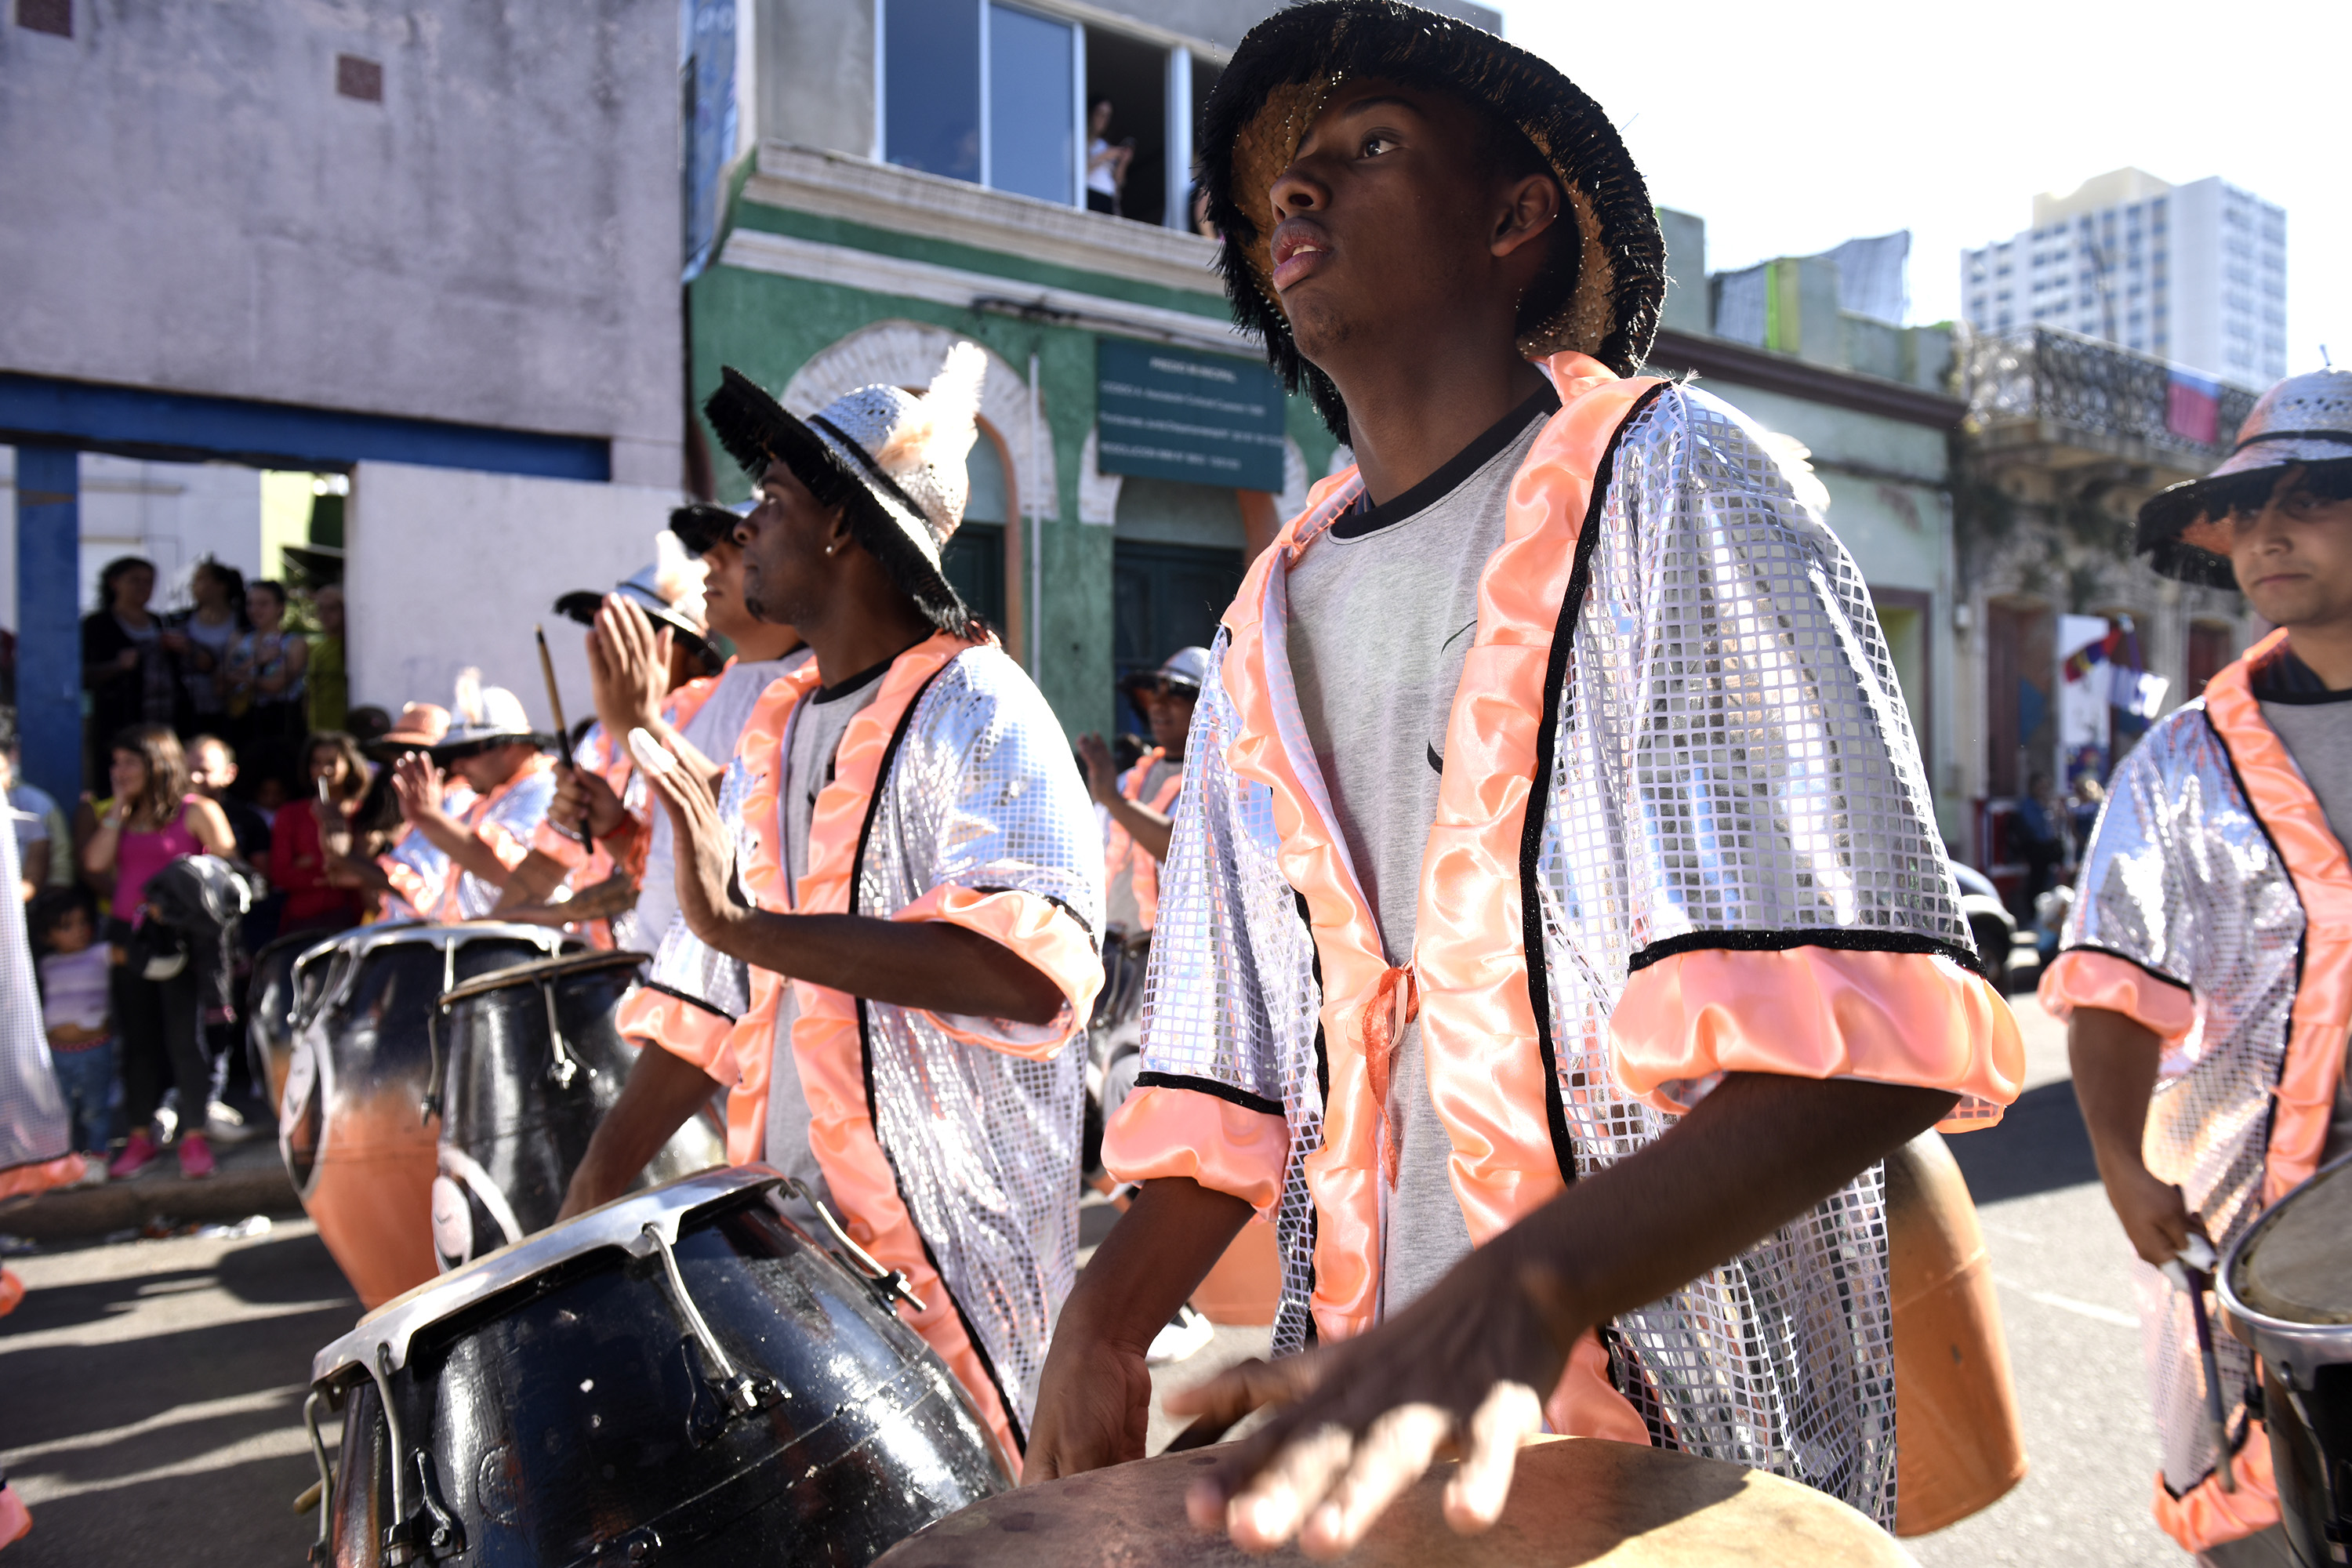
49 626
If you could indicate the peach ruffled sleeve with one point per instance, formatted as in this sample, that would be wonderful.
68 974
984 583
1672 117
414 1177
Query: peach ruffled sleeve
1035 929
2086 977
1820 1013
1164 1131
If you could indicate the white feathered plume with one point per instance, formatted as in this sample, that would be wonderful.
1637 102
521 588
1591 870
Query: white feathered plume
468 707
679 577
941 431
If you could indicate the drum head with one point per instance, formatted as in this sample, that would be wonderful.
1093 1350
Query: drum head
542 969
2298 1265
1584 1501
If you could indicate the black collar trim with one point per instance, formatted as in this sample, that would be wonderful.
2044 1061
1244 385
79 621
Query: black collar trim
1364 518
2284 679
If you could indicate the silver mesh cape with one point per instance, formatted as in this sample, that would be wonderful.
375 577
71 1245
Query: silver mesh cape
1731 765
34 1127
979 791
2181 879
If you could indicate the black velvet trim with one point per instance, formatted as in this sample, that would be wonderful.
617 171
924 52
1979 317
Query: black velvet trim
865 1072
1364 518
858 682
2283 678
1058 903
2145 967
1555 691
688 998
1211 1088
1785 941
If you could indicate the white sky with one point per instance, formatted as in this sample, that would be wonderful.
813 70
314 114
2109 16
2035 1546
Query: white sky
1791 125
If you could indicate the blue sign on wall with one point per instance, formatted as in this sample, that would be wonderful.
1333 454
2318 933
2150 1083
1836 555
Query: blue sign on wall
1172 414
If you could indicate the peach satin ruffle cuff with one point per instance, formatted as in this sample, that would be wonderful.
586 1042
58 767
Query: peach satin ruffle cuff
2085 977
691 1034
1819 1013
1164 1132
1034 930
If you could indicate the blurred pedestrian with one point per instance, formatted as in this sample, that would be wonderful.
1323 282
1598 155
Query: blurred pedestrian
43 856
302 838
201 638
153 819
132 677
75 971
213 772
267 695
330 689
1105 164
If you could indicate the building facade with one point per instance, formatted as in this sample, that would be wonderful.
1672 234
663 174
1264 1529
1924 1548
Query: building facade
2194 274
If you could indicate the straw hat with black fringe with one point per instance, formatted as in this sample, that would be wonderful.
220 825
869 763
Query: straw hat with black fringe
1600 296
2304 420
891 459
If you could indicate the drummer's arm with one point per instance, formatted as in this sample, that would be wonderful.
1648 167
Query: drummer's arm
2115 1058
662 1090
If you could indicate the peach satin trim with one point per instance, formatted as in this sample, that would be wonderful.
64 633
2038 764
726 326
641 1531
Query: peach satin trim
2205 1516
687 1032
15 1519
1820 1013
1163 1131
2085 977
1035 930
18 1180
2322 881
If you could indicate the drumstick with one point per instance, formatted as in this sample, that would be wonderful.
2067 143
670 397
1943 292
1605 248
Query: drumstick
563 731
2189 1272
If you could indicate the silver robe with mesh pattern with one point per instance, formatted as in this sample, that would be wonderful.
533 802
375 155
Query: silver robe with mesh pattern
981 793
1731 762
34 1127
2181 879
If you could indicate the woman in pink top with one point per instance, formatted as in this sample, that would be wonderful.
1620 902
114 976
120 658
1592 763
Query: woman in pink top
152 821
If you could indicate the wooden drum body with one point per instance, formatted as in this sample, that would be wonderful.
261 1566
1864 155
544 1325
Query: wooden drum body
356 1124
680 1377
1582 1501
1958 1444
272 1004
530 1065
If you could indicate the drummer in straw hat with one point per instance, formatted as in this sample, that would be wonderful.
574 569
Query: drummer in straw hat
1567 1104
2215 905
919 951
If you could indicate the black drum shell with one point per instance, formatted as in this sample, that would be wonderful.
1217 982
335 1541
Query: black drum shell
273 1000
355 1130
561 1416
507 1120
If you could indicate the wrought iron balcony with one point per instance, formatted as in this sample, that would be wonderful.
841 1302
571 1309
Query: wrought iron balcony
2080 392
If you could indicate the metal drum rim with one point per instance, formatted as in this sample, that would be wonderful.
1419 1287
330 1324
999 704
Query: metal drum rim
2282 1342
360 941
381 1339
531 971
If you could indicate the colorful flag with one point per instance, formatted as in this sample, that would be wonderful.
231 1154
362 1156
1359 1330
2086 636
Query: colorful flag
2192 408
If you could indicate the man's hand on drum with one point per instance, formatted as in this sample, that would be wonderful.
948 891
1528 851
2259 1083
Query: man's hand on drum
2115 1059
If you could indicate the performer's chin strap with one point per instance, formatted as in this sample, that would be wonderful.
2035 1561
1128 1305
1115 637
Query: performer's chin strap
1395 1003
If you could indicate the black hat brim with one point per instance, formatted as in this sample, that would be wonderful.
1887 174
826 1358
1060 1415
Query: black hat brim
756 430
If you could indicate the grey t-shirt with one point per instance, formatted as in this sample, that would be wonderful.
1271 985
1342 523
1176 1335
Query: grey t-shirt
812 737
1383 609
2318 736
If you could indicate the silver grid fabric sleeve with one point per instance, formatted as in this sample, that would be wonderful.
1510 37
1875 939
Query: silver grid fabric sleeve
1733 766
684 964
1230 1000
982 793
519 813
33 1122
2180 878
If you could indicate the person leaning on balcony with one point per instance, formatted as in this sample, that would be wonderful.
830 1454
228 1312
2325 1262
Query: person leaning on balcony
2199 908
1105 164
1506 1083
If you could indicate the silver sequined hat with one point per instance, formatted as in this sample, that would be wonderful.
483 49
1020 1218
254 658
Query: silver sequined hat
669 591
892 458
2303 419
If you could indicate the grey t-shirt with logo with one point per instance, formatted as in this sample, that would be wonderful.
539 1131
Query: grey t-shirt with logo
1383 609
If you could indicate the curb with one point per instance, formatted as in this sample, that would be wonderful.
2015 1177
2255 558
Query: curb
238 1188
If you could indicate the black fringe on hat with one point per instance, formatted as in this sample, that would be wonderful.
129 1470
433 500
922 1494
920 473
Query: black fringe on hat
1326 40
756 430
2167 514
701 525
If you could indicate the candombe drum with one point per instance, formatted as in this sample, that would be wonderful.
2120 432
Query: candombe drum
1959 1445
2287 1289
530 1064
273 1005
1574 1501
357 1124
682 1376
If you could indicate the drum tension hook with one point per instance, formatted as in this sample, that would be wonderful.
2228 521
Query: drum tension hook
889 1284
565 1067
737 1390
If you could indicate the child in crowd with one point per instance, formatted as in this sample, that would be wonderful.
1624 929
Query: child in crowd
74 969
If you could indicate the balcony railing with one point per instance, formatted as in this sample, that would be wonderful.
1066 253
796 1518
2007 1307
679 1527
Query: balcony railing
2048 374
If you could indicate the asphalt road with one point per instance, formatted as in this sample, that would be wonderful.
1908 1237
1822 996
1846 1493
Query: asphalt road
150 1391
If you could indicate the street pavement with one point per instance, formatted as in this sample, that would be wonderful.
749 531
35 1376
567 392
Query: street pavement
150 1391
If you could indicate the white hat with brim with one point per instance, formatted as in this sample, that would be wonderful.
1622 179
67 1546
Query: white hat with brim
2304 420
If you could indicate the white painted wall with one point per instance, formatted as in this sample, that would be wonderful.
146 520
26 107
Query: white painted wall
448 567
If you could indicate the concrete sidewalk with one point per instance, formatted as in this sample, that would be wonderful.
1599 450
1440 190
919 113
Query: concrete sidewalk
249 1179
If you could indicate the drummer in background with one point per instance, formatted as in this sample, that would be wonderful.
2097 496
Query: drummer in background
2206 971
925 883
1509 1083
394 869
582 887
480 816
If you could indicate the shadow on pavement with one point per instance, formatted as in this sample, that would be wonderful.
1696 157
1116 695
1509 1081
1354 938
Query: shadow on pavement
2040 1145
